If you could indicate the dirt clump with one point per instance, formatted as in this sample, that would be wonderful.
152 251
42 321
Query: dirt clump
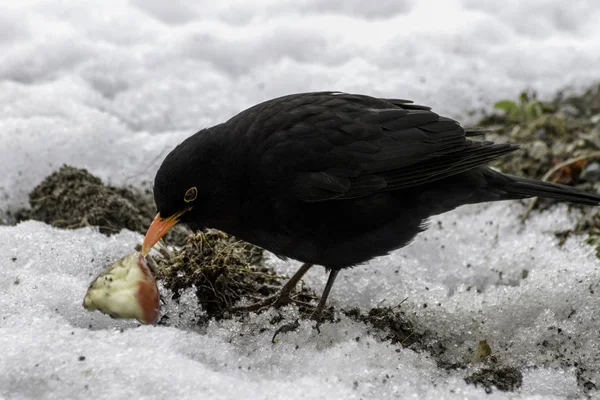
72 198
506 379
221 268
389 323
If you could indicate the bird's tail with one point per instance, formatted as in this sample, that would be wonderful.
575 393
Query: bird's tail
517 187
481 185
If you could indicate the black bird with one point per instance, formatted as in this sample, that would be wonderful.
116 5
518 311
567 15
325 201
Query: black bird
332 178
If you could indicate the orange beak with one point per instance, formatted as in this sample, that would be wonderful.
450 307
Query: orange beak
158 228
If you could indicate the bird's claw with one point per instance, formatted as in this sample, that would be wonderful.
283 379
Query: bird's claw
289 327
277 300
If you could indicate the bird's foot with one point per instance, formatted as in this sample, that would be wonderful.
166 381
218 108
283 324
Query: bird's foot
279 299
283 297
289 327
275 300
293 326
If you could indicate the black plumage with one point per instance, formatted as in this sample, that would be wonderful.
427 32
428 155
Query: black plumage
335 179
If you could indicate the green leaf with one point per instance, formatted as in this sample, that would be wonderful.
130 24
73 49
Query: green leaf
524 98
534 109
506 105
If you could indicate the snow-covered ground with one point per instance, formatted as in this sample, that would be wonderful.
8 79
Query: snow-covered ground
112 86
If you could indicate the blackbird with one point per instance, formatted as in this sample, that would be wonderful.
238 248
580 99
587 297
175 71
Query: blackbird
333 179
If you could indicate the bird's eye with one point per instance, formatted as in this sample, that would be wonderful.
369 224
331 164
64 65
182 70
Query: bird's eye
190 195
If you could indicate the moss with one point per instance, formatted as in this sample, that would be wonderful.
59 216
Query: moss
222 269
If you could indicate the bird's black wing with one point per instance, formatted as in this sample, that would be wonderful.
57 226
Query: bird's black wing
328 145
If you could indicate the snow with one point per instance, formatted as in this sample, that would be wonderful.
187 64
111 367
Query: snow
112 86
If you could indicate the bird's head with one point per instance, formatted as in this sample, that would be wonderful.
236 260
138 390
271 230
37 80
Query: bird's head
179 191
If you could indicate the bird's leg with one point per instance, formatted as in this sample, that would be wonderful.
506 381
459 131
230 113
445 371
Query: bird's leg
316 315
283 296
286 290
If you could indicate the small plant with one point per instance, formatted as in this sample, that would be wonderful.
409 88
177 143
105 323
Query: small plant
526 109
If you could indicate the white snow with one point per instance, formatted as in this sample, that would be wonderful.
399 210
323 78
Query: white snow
112 86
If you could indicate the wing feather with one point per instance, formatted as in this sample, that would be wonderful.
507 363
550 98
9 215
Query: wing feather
331 145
